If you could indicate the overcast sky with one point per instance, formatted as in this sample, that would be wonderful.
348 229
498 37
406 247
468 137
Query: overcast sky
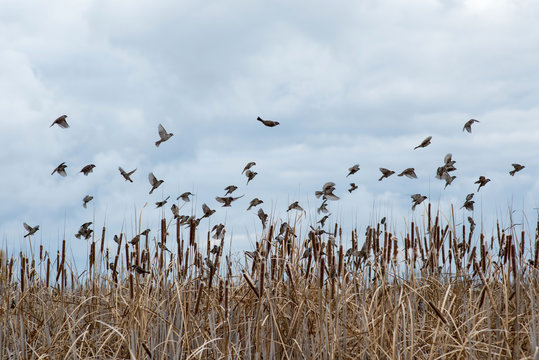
350 82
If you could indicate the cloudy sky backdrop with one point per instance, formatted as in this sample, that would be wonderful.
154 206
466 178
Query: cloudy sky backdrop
350 82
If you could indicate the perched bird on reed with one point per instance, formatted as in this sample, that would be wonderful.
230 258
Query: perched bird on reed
263 217
516 168
175 211
227 201
139 270
424 143
417 199
161 203
254 203
327 192
230 189
472 223
248 166
322 221
353 187
295 206
323 207
207 211
154 182
250 175
482 182
60 169
126 175
285 228
354 169
307 253
468 125
31 230
145 232
164 136
135 240
88 169
268 123
86 200
61 122
185 196
385 173
409 173
468 205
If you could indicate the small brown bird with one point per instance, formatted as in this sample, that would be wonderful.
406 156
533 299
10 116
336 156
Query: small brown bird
469 196
31 230
175 211
327 192
354 169
117 239
323 220
230 189
472 223
227 201
154 182
161 203
164 136
215 249
385 173
86 200
468 205
60 169
145 232
468 125
248 166
135 240
250 175
323 207
163 247
417 199
139 270
61 122
295 206
482 182
263 217
185 196
219 231
254 203
424 143
88 169
84 230
307 253
268 123
353 187
516 168
448 179
409 173
207 211
126 175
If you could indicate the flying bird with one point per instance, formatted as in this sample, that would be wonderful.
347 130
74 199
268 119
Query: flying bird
424 143
469 196
255 202
207 211
161 203
185 196
323 207
448 179
61 122
227 201
353 187
468 205
84 231
126 175
409 173
86 200
482 182
248 166
322 221
385 173
230 189
417 199
135 240
468 125
219 231
354 169
295 206
164 136
31 230
516 168
60 169
268 123
327 192
88 169
250 175
175 211
154 182
263 217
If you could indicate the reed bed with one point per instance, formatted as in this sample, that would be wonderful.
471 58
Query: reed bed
437 291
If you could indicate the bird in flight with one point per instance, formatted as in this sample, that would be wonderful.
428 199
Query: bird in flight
353 187
417 199
468 204
227 201
60 169
354 169
185 196
254 203
482 182
248 166
207 211
295 206
230 189
516 168
327 192
385 173
164 136
263 217
323 207
250 175
268 123
88 169
161 203
86 200
468 125
31 230
409 173
322 221
61 122
126 175
424 143
154 182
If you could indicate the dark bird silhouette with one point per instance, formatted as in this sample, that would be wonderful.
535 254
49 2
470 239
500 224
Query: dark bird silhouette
227 201
86 200
468 205
268 123
424 143
295 206
468 125
516 168
248 166
135 240
322 221
87 169
161 203
164 136
469 196
385 173
60 169
126 175
250 175
163 247
145 232
185 196
31 230
154 182
353 187
230 189
175 211
84 231
254 203
417 199
482 182
61 122
354 169
207 211
409 173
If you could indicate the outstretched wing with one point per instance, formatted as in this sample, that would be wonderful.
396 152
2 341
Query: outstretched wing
152 179
27 227
162 131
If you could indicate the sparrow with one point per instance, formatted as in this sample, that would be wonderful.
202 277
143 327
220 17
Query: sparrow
135 240
482 182
468 125
117 239
161 203
163 135
263 217
219 231
230 189
61 122
353 187
126 175
327 192
139 270
323 220
185 196
255 202
145 232
31 230
163 247
227 201
154 182
385 173
285 227
295 206
250 175
417 199
88 169
354 169
424 143
175 211
268 123
248 166
60 169
306 253
323 207
469 196
207 211
472 223
85 233
448 179
409 173
468 205
516 168
86 200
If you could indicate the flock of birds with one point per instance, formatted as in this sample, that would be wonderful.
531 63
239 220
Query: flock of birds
326 193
